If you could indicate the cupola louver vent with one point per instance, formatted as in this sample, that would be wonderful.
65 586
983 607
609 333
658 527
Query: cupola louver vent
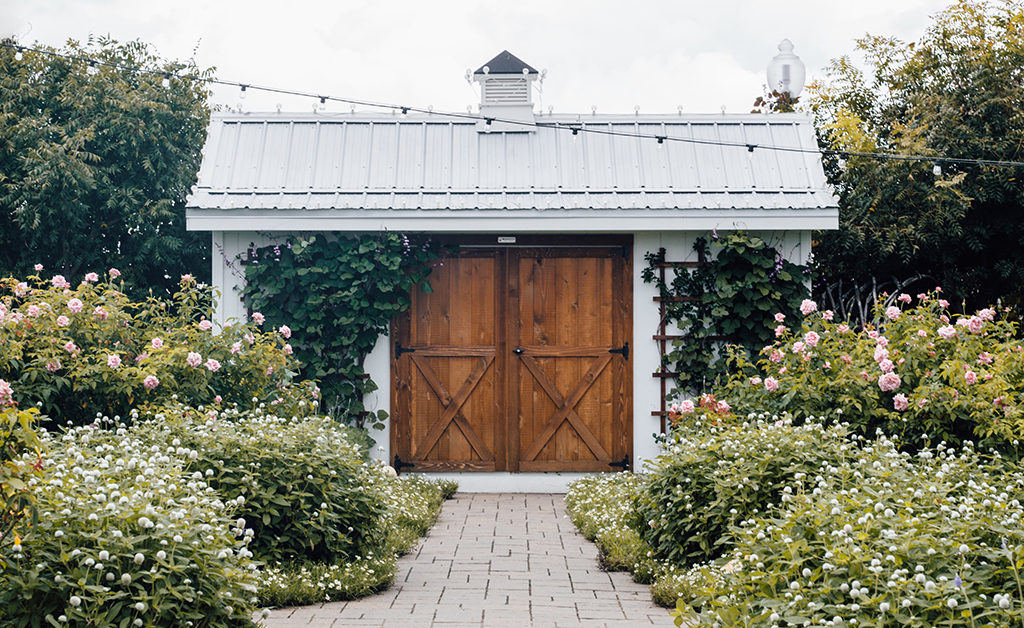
506 91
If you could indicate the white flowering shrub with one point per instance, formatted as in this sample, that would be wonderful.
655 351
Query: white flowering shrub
879 537
601 507
298 481
127 535
712 476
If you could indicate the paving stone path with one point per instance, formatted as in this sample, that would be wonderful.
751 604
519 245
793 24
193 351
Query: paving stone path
495 560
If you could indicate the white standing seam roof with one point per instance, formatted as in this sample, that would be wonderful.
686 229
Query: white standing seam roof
361 172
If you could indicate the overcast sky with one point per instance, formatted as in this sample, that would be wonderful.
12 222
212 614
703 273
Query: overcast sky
657 55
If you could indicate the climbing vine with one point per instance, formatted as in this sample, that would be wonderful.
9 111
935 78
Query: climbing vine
337 296
728 299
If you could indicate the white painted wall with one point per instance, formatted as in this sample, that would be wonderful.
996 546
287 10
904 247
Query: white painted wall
796 246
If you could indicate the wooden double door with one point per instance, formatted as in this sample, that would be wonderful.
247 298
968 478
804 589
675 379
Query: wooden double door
518 360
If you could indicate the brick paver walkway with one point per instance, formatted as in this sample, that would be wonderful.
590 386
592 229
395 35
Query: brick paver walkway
495 560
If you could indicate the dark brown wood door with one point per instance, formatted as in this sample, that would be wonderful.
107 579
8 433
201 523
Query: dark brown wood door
517 361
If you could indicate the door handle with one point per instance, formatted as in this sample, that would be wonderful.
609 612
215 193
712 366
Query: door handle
519 351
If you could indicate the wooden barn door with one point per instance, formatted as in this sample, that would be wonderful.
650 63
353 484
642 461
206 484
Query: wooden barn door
517 361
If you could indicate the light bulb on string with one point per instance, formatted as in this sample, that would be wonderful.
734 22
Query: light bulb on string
92 69
842 161
166 81
937 169
241 91
18 56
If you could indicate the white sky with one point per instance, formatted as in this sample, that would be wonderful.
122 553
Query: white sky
657 54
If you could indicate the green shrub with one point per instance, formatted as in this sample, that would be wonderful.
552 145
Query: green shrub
877 537
601 507
126 535
299 481
946 380
411 506
18 438
712 477
88 351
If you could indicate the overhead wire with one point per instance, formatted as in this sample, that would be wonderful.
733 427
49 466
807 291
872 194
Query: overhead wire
489 120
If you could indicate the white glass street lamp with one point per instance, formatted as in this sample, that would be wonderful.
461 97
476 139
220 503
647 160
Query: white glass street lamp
786 72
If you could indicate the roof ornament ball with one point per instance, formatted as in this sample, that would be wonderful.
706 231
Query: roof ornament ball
786 72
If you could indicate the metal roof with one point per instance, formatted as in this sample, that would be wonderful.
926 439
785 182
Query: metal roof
357 163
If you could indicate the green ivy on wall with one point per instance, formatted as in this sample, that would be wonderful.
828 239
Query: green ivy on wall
730 299
338 295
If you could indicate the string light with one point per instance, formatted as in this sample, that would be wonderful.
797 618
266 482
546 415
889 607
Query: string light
596 129
166 82
18 56
92 69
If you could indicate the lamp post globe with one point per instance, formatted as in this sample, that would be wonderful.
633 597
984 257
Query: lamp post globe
786 72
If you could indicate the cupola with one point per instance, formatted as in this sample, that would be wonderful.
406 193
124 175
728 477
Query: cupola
506 97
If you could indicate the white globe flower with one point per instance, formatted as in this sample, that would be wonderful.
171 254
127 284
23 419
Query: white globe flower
139 559
75 601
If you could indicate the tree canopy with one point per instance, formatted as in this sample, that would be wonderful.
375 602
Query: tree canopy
958 92
95 163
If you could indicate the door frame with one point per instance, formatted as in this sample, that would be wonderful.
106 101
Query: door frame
507 457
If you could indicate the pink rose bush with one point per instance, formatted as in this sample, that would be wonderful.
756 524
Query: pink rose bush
89 348
919 372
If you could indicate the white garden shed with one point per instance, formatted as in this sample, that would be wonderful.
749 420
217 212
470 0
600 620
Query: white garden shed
532 360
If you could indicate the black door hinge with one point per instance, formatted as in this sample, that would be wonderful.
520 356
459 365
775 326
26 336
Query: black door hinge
399 465
622 464
623 350
399 350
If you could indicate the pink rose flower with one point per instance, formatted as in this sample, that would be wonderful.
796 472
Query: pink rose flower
115 273
288 349
843 328
947 331
882 341
32 310
921 402
21 289
755 381
212 365
205 325
922 333
70 347
218 399
827 315
92 277
985 358
889 381
723 406
846 358
881 353
892 312
807 306
99 313
944 303
779 317
987 314
53 367
249 338
63 321
258 318
236 347
899 402
157 342
38 267
776 356
6 393
151 382
873 334
686 406
781 329
142 356
798 346
285 331
971 377
771 384
886 365
194 359
975 324
811 339
113 361
186 277
75 305
59 281
904 297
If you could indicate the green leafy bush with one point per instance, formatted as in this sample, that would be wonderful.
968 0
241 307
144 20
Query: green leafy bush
299 482
921 374
89 350
18 438
412 504
878 537
127 535
712 477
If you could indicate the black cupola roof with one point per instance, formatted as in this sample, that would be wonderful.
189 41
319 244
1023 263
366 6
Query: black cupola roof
506 63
